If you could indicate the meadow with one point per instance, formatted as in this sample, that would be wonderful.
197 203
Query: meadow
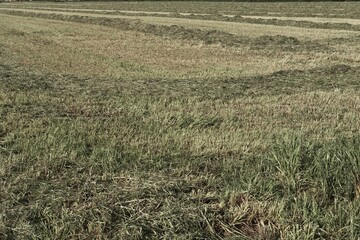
179 120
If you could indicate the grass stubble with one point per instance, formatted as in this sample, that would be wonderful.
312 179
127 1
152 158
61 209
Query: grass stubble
100 141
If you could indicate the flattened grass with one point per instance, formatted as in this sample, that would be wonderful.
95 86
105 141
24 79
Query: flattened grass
235 28
59 47
296 9
268 155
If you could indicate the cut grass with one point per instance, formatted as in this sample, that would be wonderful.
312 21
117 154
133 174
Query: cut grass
72 48
271 153
242 29
119 175
295 9
306 22
312 19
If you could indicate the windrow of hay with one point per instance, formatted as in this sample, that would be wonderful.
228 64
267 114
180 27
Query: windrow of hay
270 21
321 23
180 32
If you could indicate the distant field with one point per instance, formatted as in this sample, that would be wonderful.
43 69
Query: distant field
179 120
325 9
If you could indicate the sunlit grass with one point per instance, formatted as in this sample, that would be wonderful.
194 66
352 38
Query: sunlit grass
114 134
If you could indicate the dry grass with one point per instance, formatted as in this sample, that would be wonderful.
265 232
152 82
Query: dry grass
242 29
305 9
114 133
103 51
311 19
89 10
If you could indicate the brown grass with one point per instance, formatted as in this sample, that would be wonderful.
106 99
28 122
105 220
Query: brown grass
245 29
94 50
118 133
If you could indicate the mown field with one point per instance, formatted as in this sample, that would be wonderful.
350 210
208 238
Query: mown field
181 120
